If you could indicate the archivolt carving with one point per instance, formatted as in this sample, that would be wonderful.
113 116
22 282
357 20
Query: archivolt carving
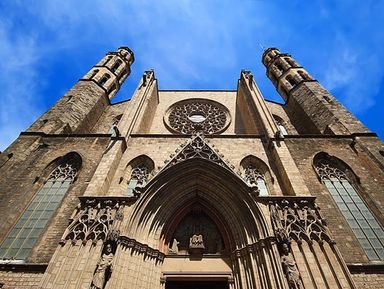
92 220
297 219
141 248
197 115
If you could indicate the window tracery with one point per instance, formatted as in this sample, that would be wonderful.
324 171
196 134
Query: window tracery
24 235
255 178
361 220
280 126
139 177
194 116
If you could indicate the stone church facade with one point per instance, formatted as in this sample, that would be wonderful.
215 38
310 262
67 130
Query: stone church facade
193 189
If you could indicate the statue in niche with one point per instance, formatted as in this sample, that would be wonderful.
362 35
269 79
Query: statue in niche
103 269
290 269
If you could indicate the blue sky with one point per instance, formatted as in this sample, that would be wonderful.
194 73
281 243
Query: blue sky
46 46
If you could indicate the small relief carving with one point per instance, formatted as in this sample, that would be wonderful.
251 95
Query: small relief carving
196 244
290 269
196 241
103 269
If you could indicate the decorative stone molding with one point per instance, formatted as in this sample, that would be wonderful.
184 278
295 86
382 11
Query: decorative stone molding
197 115
328 172
198 147
296 218
93 218
64 172
141 248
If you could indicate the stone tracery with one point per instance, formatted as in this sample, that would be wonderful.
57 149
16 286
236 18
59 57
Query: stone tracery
196 115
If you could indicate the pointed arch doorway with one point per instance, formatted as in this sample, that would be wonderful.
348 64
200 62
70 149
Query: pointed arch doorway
198 248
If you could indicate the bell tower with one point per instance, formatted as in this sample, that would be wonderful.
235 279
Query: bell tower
112 70
311 108
81 107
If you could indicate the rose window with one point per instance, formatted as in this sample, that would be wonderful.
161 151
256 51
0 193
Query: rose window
197 115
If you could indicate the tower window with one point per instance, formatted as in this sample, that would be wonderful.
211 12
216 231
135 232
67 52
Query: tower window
116 66
367 230
104 79
290 61
303 75
94 72
23 236
256 179
279 67
107 60
291 81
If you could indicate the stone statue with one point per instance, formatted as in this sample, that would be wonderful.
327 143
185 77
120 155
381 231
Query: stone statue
104 266
196 241
290 269
175 249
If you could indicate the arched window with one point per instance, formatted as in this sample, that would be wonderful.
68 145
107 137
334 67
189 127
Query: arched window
107 59
290 61
104 79
257 175
255 178
362 222
280 125
116 66
94 72
291 80
139 177
23 236
279 67
138 172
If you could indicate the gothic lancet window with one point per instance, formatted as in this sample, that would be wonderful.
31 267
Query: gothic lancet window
255 178
361 220
23 236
